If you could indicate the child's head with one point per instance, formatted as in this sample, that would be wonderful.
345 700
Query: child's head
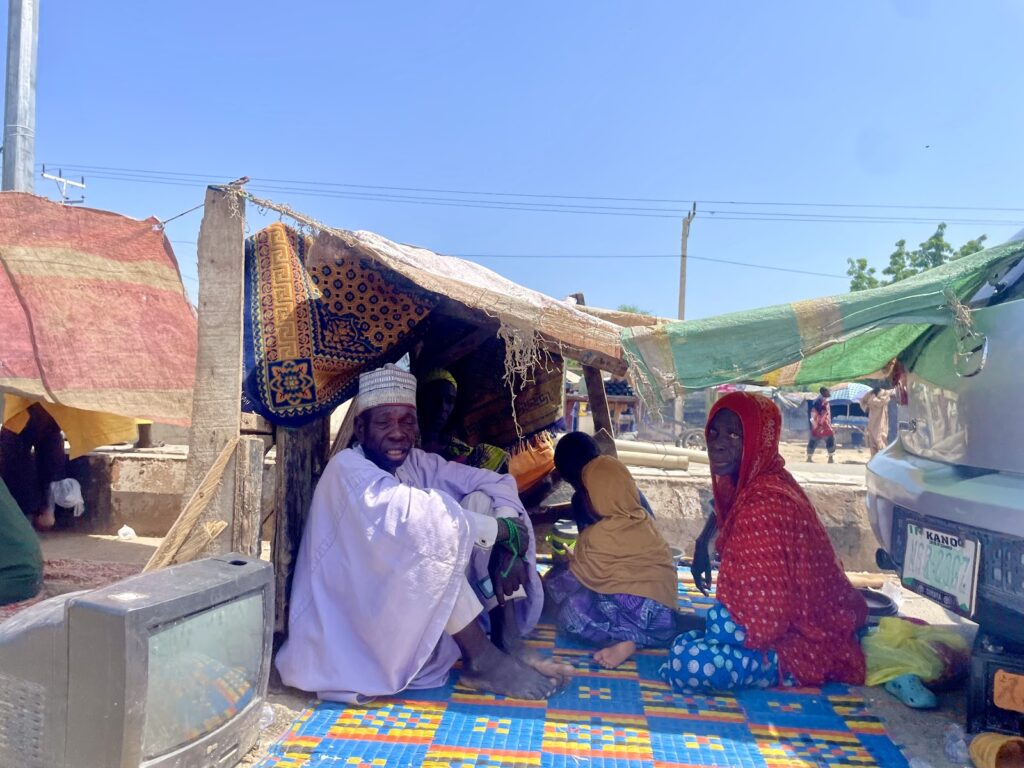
573 452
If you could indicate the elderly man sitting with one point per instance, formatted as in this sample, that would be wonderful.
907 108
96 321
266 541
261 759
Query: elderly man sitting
395 566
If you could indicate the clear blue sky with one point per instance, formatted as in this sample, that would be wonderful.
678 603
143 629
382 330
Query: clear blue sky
888 103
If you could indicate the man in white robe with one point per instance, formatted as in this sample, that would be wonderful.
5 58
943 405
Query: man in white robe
392 572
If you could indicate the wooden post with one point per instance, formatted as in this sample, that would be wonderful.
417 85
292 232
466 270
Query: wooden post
217 395
679 405
604 433
300 460
248 502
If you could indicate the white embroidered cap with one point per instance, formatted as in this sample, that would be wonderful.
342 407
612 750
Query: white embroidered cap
389 385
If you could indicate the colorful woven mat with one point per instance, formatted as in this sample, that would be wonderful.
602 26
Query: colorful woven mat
317 315
621 718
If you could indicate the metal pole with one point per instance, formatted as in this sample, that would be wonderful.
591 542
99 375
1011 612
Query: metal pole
20 95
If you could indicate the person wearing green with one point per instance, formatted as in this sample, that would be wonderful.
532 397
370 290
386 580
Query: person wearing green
21 559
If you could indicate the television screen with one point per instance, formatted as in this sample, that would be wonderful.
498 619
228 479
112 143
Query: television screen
203 670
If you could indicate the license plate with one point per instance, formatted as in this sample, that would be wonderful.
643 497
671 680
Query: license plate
943 567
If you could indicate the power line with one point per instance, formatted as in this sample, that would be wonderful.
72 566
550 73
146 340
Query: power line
432 190
636 212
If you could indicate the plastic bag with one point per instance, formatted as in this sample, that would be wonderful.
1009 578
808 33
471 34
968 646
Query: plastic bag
938 655
532 461
67 493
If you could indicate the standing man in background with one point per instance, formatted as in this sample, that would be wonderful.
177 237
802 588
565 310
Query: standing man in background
876 405
821 426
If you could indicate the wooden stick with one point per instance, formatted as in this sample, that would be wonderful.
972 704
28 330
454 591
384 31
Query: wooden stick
192 511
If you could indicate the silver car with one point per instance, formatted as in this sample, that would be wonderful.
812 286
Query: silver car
946 500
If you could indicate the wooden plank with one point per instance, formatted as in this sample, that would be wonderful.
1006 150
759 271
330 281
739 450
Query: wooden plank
216 418
604 433
248 505
587 357
254 424
297 461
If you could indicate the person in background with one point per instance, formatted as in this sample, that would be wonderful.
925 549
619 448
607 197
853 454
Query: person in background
21 560
786 611
31 460
821 426
401 553
876 405
436 393
618 591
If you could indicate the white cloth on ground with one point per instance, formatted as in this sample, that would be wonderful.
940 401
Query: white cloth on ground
380 569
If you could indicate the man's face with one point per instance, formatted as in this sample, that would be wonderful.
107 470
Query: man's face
435 402
725 443
387 433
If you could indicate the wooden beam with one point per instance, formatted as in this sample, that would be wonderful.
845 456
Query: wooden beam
587 357
248 505
604 434
216 418
297 462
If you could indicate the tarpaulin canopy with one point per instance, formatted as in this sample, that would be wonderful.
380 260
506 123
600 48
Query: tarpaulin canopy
837 338
93 314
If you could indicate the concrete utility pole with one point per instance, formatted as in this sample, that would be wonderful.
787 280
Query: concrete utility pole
20 95
682 261
678 405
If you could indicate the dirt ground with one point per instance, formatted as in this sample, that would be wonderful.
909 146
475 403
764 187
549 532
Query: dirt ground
796 453
920 734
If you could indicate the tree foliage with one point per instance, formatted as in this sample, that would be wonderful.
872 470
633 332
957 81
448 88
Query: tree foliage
632 308
905 263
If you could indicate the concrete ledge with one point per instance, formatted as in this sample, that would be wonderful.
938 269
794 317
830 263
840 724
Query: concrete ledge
679 500
144 489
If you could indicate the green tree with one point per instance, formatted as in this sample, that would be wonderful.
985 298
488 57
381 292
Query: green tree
632 308
904 263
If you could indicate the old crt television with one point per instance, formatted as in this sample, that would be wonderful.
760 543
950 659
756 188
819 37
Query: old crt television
167 668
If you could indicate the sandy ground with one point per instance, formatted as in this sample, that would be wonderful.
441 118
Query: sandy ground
920 734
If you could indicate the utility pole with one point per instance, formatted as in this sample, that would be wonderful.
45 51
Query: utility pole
682 261
20 95
680 398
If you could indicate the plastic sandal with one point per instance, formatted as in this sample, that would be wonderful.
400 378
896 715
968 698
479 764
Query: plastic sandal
911 691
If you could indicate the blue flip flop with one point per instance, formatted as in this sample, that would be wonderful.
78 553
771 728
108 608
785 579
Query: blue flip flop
911 691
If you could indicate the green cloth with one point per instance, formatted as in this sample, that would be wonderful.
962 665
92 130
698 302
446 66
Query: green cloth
21 559
837 338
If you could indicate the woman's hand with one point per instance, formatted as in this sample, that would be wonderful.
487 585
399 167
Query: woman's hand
701 567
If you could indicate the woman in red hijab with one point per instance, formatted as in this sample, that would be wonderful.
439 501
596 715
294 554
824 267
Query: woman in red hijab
786 612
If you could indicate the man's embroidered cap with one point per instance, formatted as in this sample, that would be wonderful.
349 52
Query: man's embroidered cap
389 385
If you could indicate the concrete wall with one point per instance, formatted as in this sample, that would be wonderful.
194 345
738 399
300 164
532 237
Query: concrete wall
679 502
144 489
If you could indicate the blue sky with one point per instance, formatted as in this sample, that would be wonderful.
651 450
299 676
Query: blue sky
895 103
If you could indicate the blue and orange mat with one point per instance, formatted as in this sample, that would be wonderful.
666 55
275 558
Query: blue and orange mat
621 718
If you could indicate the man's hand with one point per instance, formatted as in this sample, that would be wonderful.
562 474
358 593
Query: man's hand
506 585
701 567
503 533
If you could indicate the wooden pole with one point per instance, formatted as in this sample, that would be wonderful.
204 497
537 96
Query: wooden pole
598 399
216 398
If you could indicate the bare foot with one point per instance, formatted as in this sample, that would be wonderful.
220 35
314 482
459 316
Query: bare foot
559 671
494 671
45 521
614 655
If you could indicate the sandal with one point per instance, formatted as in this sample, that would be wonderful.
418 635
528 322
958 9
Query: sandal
911 691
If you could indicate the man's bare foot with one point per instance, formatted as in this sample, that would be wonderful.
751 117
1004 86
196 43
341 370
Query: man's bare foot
495 671
614 655
559 671
45 521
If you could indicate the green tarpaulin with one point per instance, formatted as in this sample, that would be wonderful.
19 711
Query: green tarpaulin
837 338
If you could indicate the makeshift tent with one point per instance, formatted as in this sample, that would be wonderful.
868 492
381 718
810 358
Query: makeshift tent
837 338
94 316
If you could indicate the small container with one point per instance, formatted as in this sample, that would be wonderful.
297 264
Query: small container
563 536
879 604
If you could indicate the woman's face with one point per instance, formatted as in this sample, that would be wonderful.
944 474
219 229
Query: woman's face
725 443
